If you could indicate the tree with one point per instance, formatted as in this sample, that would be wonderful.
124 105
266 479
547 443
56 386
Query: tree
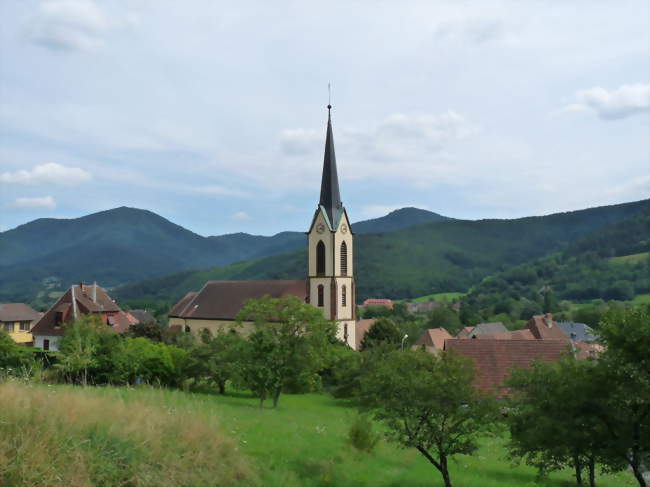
428 403
12 355
623 379
218 359
443 317
552 418
77 348
382 331
289 341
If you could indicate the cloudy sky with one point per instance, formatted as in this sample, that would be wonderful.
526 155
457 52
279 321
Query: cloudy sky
213 115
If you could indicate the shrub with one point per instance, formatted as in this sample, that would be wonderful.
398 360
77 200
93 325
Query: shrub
361 433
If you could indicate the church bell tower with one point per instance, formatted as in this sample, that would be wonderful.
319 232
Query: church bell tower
331 250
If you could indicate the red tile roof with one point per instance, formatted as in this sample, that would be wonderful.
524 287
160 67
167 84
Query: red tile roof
361 328
89 300
496 359
222 300
508 335
434 337
378 302
544 328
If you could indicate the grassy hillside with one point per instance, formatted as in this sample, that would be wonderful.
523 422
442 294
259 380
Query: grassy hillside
612 264
419 260
112 435
74 437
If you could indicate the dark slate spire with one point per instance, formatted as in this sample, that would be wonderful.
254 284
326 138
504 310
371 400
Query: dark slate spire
330 199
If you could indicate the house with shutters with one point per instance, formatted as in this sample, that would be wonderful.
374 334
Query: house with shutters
80 300
329 278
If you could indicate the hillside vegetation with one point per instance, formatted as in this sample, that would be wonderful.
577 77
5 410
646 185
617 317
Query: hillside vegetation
612 264
448 256
127 244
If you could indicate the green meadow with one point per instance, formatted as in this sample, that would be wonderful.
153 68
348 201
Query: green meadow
63 435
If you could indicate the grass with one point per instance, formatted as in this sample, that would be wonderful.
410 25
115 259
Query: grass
302 443
630 259
438 297
64 436
641 299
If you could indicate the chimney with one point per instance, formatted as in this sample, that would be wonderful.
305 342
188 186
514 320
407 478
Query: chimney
74 304
95 292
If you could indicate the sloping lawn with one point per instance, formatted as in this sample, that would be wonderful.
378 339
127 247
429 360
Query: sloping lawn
304 443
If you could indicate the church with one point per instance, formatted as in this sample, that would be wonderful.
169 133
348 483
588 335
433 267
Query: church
329 283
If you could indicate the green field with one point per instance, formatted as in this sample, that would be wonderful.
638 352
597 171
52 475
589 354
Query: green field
630 259
438 297
302 443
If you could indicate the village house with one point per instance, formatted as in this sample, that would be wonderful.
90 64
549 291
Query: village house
17 320
432 340
487 329
80 300
329 283
376 302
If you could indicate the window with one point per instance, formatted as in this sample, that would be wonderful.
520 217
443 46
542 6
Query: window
344 259
321 296
46 344
320 258
9 327
344 296
24 325
187 329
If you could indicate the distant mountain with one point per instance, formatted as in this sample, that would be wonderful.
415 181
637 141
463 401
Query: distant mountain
398 219
442 256
128 244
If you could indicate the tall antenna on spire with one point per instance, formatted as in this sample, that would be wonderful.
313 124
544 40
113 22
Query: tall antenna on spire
329 96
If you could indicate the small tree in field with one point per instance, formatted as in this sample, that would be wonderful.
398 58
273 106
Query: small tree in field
77 348
290 340
218 358
428 403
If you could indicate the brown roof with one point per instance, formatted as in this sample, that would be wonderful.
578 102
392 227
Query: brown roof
17 312
222 300
488 329
434 337
544 328
495 359
360 330
89 299
508 335
378 302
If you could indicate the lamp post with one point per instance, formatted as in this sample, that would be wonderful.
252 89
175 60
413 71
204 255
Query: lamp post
403 340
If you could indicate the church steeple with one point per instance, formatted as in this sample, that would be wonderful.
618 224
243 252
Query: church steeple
330 198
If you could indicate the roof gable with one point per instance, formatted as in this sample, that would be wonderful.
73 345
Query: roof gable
222 300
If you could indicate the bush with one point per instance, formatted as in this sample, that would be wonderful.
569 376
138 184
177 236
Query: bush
361 434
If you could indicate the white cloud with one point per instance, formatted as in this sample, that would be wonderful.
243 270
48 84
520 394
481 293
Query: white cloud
241 216
49 173
622 102
215 190
42 203
69 25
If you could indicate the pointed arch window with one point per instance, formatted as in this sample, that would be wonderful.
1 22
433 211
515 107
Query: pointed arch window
320 258
321 296
344 296
344 259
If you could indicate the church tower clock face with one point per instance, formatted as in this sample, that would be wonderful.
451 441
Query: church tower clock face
344 228
320 228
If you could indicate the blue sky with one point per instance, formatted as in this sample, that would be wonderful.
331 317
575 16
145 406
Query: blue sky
213 115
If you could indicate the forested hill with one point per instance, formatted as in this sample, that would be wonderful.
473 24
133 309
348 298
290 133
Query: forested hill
611 264
442 256
127 244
